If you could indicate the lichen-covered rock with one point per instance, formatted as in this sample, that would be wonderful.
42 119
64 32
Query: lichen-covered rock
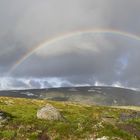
1 115
49 113
127 116
4 117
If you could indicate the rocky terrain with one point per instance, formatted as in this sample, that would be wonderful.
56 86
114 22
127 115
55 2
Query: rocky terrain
34 119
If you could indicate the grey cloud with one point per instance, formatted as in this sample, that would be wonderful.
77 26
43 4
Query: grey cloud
46 84
85 59
26 23
34 84
112 62
126 15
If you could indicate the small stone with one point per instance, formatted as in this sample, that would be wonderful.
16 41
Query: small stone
103 138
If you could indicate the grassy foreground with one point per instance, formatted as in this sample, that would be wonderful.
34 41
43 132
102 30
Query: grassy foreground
81 122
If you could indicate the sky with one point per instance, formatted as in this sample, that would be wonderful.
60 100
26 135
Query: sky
79 42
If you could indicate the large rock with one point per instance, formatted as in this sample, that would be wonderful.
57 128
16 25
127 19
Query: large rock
49 113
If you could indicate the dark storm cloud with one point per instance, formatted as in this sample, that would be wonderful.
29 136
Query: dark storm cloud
107 62
25 24
87 59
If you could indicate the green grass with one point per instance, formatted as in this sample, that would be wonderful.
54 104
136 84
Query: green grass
9 134
81 121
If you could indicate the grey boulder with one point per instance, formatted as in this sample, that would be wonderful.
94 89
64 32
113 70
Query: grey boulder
49 112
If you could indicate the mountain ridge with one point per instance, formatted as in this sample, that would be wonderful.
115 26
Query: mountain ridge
99 95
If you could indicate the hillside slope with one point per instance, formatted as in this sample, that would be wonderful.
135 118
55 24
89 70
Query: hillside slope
89 95
82 122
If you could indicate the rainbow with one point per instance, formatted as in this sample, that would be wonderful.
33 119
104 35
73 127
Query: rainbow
69 35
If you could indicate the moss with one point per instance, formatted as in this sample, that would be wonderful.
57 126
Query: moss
112 131
7 134
81 121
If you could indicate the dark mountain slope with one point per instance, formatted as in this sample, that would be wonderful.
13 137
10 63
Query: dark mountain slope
88 95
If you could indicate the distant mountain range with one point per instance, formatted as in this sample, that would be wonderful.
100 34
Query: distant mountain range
88 95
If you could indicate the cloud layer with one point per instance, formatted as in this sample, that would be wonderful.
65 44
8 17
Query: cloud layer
87 59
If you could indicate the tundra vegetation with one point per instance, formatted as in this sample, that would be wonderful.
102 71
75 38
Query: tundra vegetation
18 121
